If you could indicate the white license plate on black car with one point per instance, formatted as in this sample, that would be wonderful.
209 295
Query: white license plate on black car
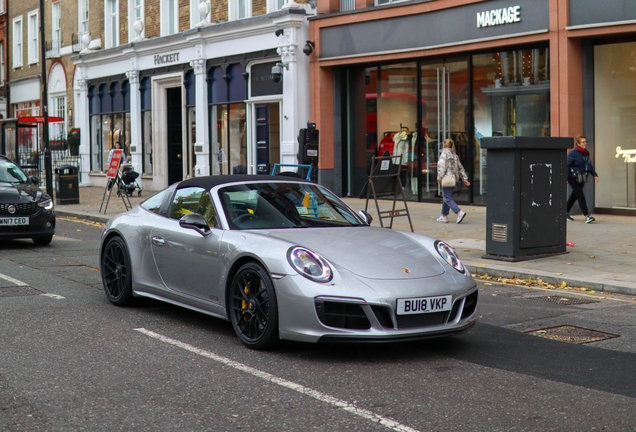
420 305
12 221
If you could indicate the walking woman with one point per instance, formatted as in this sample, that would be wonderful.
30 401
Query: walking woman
579 166
449 165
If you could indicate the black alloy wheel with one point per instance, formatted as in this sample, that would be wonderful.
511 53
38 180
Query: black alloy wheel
253 308
116 272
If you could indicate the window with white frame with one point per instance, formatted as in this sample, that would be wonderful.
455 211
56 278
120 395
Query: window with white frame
275 5
384 2
33 36
111 23
18 55
135 12
1 62
169 17
239 9
82 17
195 16
57 108
56 36
2 6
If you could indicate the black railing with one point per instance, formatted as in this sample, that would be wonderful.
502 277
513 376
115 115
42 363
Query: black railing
53 49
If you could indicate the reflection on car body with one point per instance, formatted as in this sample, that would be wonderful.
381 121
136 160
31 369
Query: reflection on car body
284 258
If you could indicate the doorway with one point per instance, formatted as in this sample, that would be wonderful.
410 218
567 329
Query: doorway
267 125
445 115
175 134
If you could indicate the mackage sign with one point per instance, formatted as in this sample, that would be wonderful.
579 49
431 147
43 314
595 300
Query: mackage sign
475 21
166 58
499 16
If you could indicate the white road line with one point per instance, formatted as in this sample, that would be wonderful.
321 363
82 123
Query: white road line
322 397
13 281
53 296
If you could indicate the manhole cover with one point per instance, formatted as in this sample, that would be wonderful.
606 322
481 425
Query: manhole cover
564 300
18 291
572 334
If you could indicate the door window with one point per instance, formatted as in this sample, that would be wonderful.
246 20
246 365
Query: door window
193 200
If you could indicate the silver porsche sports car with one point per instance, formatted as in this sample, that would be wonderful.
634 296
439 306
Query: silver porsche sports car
284 258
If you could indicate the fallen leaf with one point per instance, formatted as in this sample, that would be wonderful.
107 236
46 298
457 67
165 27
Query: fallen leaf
559 274
592 256
466 250
563 284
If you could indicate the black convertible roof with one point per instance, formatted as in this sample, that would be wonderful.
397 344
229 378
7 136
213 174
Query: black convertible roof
212 181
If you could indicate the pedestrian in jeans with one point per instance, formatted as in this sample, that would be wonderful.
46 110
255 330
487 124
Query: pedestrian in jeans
449 163
579 166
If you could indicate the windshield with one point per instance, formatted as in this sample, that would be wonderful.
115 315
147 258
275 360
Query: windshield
284 205
11 173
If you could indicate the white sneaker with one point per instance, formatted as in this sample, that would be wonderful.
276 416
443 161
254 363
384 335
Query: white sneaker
442 219
460 216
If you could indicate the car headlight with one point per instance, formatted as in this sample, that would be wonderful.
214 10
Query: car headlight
448 253
309 264
47 204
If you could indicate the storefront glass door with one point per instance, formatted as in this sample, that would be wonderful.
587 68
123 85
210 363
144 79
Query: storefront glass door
445 102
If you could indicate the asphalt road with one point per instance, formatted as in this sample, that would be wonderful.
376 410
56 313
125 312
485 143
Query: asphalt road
70 361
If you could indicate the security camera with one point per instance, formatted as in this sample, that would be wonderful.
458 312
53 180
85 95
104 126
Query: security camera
277 73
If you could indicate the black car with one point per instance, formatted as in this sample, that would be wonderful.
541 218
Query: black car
25 211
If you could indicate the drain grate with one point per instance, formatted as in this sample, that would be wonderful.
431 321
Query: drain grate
572 334
18 291
564 300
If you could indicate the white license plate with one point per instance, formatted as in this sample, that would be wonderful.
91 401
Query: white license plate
420 305
11 221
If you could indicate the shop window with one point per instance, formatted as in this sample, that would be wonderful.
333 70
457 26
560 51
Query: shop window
511 97
238 84
105 99
613 146
2 76
94 102
17 43
57 131
218 86
147 141
190 85
33 37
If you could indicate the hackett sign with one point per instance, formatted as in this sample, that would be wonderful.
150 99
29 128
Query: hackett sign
499 16
167 58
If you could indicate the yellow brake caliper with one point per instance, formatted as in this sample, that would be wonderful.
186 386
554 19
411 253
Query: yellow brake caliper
244 303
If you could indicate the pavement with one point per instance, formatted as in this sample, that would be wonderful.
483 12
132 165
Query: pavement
603 257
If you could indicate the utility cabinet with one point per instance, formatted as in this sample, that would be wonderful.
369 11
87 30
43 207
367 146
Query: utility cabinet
527 187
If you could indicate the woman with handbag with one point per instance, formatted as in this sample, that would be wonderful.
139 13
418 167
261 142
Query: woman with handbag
579 167
449 170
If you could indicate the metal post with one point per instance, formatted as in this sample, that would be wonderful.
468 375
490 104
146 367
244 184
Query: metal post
45 108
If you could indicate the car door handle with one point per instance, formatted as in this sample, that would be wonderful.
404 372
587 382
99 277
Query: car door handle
158 241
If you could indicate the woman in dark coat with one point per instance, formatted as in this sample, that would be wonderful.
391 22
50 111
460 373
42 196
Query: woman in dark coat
579 163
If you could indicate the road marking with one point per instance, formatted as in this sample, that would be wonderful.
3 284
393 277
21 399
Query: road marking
13 281
53 296
322 397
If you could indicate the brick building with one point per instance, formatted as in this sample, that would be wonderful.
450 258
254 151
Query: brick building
4 37
189 95
401 76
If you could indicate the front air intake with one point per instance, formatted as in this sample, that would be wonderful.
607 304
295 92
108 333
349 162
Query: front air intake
342 315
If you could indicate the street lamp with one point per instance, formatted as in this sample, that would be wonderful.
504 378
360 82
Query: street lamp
45 109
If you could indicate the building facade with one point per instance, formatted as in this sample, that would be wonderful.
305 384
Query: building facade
402 76
4 38
188 89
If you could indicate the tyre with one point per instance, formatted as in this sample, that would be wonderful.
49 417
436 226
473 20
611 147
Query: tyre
116 271
252 307
42 241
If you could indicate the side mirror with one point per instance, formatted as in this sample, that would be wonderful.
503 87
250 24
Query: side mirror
196 222
365 217
35 180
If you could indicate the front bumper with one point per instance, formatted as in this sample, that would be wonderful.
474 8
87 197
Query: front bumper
41 224
365 310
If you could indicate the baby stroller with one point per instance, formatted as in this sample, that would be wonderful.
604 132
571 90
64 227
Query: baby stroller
127 181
